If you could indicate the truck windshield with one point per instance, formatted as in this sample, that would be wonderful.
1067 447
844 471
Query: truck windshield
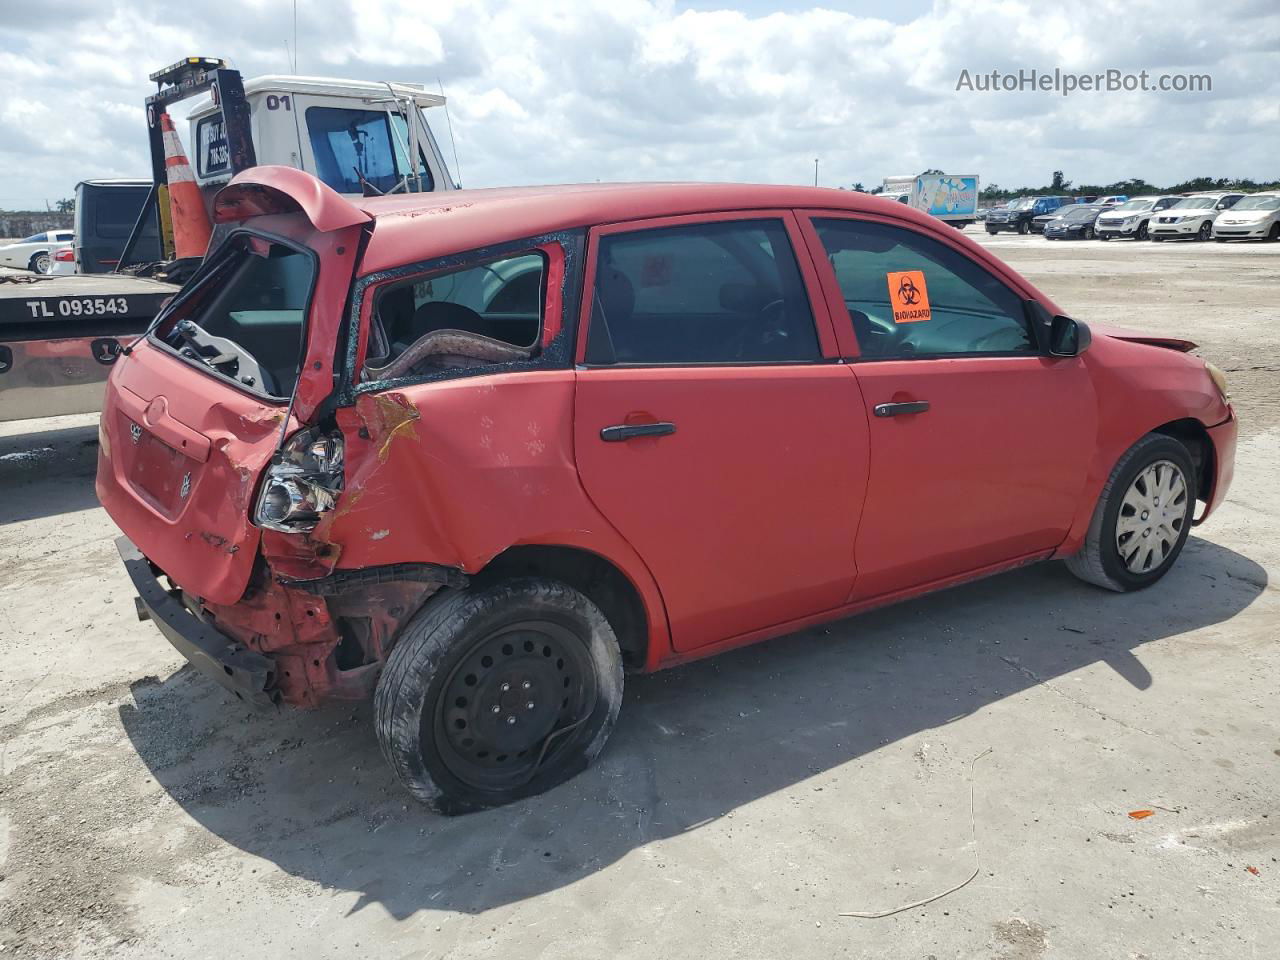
370 145
245 318
1026 203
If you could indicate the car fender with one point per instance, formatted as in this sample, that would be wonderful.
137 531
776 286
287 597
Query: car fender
1139 387
497 450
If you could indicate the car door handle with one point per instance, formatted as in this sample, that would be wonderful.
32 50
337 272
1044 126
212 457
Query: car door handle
897 409
626 431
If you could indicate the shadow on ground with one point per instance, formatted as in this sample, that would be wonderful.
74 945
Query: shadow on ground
48 472
310 792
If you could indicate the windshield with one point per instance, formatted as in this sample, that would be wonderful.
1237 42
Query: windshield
1080 213
1024 203
1257 203
370 145
1134 206
244 318
1194 203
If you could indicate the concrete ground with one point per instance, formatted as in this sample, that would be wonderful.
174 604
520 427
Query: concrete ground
745 802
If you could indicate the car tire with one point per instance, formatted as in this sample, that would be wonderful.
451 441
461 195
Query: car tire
1143 233
1155 239
1206 228
1102 560
1088 233
991 233
41 263
1024 228
1273 236
1104 237
469 651
1220 239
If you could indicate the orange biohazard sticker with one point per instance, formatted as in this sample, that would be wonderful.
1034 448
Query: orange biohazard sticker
909 296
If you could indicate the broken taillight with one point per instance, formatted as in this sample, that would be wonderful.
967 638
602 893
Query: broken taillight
302 483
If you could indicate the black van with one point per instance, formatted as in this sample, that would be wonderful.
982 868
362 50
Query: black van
106 211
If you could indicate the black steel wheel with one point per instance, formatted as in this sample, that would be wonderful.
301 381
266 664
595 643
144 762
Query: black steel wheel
498 692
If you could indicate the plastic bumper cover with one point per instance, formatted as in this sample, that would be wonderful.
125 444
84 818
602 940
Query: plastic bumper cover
247 674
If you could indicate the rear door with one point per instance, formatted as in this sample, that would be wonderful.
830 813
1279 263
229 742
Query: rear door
184 440
714 427
979 442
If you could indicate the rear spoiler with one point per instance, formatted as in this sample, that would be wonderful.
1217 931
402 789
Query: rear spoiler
262 191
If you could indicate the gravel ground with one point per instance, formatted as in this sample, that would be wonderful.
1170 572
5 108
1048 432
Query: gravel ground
746 801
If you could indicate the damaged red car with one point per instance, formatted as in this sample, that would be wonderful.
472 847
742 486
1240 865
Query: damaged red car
476 455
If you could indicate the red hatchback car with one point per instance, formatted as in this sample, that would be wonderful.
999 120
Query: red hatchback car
474 454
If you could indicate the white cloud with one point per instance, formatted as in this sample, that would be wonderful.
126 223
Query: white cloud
560 91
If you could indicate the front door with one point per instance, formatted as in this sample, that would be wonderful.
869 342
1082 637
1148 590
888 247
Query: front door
979 442
713 427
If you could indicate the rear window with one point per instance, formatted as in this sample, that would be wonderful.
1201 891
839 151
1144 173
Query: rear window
245 319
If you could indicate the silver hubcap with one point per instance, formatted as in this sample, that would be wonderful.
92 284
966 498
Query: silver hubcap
43 263
1151 517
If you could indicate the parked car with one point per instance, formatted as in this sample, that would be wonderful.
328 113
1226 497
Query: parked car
480 502
1076 223
35 253
1110 201
1039 223
1131 218
1253 217
1017 216
1191 217
64 262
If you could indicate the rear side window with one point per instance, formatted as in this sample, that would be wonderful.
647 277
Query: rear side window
909 295
705 293
245 318
486 313
115 211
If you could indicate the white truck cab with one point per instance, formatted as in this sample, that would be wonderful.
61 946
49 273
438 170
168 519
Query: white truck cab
348 133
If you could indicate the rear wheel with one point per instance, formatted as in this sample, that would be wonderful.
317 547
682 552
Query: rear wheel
41 262
1142 518
498 693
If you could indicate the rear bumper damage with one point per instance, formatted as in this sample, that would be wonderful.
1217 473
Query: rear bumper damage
300 642
249 675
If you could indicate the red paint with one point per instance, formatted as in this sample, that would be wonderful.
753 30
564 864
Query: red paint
779 502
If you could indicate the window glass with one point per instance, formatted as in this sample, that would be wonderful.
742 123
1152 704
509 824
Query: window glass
909 295
705 293
481 314
348 144
245 319
116 209
64 237
35 238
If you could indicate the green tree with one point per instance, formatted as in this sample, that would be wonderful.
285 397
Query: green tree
66 205
1060 183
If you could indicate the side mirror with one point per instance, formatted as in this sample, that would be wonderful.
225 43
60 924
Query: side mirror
1068 338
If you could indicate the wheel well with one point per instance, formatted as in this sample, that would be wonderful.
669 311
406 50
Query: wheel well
1192 434
590 574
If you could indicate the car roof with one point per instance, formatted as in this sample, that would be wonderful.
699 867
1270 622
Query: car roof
404 230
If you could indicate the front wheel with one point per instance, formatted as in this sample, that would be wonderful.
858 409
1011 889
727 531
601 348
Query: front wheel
1206 228
1142 518
499 692
1143 232
1024 227
1273 235
1088 233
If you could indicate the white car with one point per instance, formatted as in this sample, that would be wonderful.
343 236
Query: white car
1131 218
1191 216
1255 217
36 252
1111 201
64 262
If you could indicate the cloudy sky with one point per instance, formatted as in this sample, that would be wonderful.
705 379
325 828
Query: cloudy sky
553 91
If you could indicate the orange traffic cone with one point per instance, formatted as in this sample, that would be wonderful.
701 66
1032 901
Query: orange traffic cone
190 220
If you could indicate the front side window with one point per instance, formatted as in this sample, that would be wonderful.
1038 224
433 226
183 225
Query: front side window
353 147
727 292
245 319
482 314
909 295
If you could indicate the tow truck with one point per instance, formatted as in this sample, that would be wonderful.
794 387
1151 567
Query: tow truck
60 335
